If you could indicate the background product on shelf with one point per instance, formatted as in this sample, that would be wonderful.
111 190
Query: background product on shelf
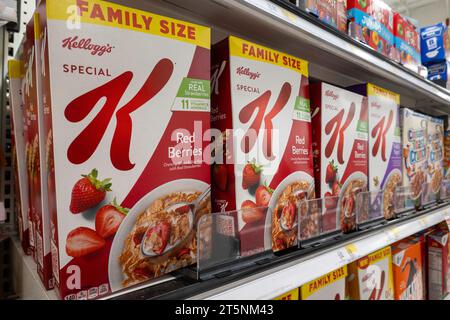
370 278
340 143
446 153
433 46
124 141
437 264
291 295
435 153
261 94
407 42
376 19
407 269
16 73
30 147
438 73
38 206
385 148
330 286
414 126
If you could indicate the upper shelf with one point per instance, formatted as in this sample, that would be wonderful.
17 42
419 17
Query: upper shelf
333 56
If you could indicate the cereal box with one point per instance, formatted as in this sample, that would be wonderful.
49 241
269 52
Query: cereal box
260 104
435 153
328 287
414 127
385 148
407 42
126 114
340 148
16 73
376 20
291 295
370 278
433 44
408 270
437 264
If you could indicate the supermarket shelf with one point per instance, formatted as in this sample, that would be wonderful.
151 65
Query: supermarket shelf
275 275
333 56
276 281
27 284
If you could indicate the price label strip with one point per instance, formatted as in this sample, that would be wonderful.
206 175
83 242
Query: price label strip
392 235
347 254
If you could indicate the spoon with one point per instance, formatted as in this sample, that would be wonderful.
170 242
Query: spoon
163 228
304 198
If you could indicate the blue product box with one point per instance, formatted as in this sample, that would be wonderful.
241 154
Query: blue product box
438 73
432 43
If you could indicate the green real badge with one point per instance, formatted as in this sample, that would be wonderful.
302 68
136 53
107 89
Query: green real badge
193 95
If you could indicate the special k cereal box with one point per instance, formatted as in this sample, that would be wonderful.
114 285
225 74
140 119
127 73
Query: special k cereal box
261 106
414 127
370 278
435 153
330 286
126 113
291 295
385 148
29 94
340 142
408 270
16 73
37 169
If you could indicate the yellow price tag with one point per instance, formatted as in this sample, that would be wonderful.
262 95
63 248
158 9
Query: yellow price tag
351 249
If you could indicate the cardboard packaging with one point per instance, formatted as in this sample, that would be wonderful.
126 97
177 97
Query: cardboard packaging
414 127
291 295
407 42
407 269
435 157
376 19
437 264
370 278
261 106
330 286
438 73
16 73
125 144
432 43
340 149
385 147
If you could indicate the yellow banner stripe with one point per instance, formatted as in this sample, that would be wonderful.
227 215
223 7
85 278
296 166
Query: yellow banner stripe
37 30
15 69
373 90
249 50
291 295
312 287
112 15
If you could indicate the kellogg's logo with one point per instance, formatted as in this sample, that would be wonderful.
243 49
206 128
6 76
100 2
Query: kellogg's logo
242 71
331 94
86 44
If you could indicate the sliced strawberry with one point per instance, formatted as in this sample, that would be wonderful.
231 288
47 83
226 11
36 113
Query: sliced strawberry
220 177
289 214
251 175
88 192
250 212
183 209
336 188
330 200
82 241
157 237
109 218
138 236
263 195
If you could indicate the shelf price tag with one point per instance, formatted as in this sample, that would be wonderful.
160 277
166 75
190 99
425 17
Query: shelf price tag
423 222
392 234
347 254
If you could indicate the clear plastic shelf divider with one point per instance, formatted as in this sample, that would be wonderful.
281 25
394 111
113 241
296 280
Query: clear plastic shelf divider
318 217
226 237
445 190
403 199
369 206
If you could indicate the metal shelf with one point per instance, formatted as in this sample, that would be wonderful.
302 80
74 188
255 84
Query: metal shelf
334 57
286 277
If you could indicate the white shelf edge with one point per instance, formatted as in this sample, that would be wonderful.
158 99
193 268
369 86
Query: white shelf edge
277 281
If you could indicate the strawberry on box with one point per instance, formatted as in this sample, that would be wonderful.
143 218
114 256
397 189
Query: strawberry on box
125 143
340 143
261 105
